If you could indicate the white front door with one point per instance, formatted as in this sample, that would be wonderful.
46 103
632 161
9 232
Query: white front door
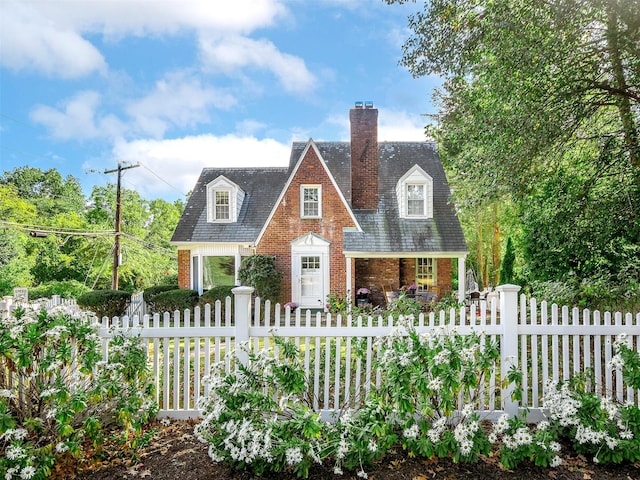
311 292
310 271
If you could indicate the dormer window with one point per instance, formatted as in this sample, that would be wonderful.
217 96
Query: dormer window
415 194
221 210
311 201
224 201
416 200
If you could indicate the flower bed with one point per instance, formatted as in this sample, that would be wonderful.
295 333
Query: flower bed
260 418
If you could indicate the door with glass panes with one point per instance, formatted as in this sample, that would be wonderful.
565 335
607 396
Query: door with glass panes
310 272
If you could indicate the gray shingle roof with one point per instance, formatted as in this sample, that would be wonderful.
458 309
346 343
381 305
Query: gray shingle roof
383 231
261 186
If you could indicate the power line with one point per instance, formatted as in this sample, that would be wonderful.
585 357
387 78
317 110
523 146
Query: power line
54 231
163 180
19 122
147 244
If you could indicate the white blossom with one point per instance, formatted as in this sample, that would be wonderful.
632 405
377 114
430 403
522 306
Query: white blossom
556 462
293 455
27 472
373 445
411 432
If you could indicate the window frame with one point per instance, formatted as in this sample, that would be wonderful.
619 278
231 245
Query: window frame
423 210
415 176
429 279
214 213
304 202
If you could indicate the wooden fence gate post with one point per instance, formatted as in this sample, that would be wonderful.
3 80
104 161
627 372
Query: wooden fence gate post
509 342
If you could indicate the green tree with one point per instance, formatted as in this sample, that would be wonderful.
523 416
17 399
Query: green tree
506 269
147 226
260 272
14 260
47 190
535 91
80 239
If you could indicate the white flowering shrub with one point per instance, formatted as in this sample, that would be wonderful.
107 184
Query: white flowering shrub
359 438
595 426
260 417
521 442
425 377
56 393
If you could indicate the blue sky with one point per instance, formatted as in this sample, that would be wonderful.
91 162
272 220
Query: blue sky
179 85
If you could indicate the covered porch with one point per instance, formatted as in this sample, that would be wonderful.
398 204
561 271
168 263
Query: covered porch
430 274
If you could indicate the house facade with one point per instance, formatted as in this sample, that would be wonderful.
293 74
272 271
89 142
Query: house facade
342 216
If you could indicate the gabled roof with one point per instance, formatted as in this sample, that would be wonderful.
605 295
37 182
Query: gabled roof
383 230
328 170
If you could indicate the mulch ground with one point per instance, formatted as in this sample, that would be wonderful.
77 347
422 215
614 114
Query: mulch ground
174 453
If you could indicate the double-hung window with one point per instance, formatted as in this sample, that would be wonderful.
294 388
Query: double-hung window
222 205
310 201
414 192
416 200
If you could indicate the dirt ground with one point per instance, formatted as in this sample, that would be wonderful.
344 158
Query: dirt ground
174 453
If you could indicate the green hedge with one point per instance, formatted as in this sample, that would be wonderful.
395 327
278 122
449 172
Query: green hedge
217 293
260 272
105 303
66 289
151 293
173 300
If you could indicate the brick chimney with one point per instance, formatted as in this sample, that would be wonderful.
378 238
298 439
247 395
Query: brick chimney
364 156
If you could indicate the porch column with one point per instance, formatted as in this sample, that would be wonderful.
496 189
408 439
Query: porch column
238 260
348 281
462 276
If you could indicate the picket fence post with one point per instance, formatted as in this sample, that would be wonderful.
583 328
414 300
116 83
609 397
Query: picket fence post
241 317
509 343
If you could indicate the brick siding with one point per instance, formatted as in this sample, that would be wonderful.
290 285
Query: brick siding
397 272
184 268
286 225
364 158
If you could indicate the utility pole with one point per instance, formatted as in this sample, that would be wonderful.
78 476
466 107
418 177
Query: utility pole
116 248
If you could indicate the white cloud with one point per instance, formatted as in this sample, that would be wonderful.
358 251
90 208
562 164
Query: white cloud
400 126
77 119
46 36
117 18
231 54
173 166
177 100
249 127
29 40
393 126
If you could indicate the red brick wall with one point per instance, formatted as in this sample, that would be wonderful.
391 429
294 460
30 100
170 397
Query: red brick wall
364 158
397 272
286 225
444 275
184 268
377 272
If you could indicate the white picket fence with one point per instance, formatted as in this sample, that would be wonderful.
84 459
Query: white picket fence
544 341
10 303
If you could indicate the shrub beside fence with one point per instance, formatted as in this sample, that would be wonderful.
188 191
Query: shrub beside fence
542 341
